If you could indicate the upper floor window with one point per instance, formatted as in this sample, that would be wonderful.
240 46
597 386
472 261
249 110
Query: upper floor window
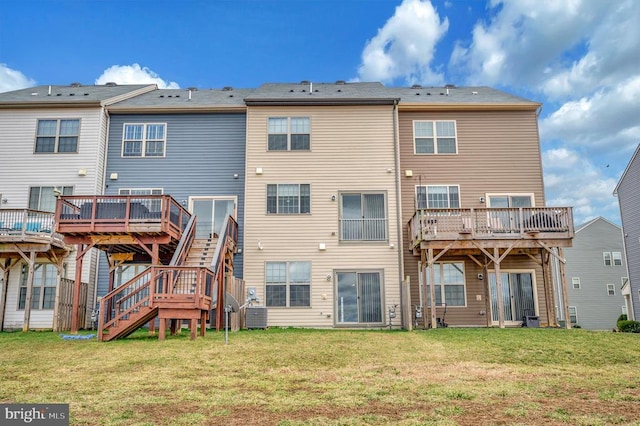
438 197
144 140
435 137
57 136
607 258
288 198
288 284
617 258
44 197
363 217
510 200
575 281
289 134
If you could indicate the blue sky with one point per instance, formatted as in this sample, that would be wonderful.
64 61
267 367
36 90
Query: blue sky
580 58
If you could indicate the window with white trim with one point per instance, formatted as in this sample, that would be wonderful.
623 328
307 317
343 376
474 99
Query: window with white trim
289 134
606 256
43 197
154 205
57 136
43 292
288 284
435 137
617 258
144 140
363 216
611 289
438 197
450 283
288 198
575 281
573 314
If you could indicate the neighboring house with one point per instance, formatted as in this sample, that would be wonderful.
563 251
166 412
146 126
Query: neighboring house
628 193
322 238
52 142
473 208
595 271
189 144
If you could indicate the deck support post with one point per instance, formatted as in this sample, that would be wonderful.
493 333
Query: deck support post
75 311
432 288
31 261
565 292
6 267
423 262
163 329
496 263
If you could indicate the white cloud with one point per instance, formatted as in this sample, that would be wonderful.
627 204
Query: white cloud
11 79
134 74
404 47
571 179
533 43
607 118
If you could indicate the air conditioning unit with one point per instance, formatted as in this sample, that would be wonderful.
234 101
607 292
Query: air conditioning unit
255 317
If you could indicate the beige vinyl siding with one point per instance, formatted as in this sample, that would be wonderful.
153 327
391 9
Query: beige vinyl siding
352 149
497 152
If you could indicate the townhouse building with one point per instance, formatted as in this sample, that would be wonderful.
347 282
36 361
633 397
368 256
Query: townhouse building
596 271
52 143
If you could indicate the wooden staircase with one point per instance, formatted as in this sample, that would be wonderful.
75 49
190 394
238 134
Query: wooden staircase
182 290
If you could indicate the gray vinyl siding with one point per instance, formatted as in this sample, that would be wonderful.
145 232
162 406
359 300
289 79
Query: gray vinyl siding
629 200
596 309
497 152
202 154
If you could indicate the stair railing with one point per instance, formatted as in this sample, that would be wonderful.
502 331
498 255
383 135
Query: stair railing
227 242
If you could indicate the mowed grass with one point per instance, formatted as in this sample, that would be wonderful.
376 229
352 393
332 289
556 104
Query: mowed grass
332 377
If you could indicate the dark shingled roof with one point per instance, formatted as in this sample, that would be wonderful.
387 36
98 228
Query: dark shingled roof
179 99
455 95
310 93
72 94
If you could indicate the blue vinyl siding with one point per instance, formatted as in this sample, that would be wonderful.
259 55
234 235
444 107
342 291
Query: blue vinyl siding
203 153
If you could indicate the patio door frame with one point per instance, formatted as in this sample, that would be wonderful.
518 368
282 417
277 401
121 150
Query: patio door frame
213 199
339 304
534 288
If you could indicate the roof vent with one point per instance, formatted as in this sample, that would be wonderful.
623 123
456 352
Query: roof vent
162 96
428 93
231 96
58 94
339 90
86 94
303 90
227 88
316 90
34 94
72 94
111 84
416 86
177 96
75 84
450 86
193 89
474 93
291 90
340 82
417 93
305 82
442 93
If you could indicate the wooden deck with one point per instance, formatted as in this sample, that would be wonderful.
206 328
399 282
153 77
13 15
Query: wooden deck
122 224
491 227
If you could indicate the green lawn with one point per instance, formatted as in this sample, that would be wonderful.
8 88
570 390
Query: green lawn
315 377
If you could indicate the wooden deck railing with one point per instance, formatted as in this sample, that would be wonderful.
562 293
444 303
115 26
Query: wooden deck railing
491 223
98 213
23 223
